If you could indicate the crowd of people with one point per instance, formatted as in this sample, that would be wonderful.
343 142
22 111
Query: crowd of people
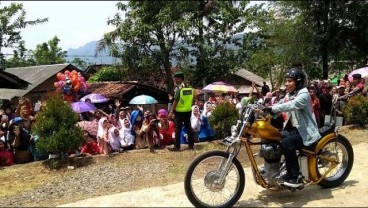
117 128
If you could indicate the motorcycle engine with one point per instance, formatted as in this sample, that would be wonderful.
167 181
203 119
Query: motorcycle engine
272 156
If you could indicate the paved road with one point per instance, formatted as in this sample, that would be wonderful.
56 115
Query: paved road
352 193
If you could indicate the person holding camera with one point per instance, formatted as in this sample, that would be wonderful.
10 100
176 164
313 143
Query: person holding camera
19 139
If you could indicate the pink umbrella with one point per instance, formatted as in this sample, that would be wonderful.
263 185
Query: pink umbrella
95 98
362 71
219 87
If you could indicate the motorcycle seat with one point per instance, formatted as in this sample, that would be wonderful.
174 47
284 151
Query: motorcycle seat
323 131
326 129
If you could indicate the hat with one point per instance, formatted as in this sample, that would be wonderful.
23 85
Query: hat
357 76
17 119
179 74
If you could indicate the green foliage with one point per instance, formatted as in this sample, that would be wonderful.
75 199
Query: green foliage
356 110
80 63
49 53
12 20
155 33
223 117
108 73
55 125
21 57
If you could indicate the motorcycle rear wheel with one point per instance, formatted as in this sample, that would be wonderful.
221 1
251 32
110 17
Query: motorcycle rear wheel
201 185
340 149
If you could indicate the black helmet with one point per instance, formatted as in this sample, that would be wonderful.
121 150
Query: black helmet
298 75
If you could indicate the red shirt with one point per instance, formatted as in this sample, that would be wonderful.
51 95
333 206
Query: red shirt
93 149
360 86
6 158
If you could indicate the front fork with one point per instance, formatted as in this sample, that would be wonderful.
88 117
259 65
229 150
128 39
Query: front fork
225 165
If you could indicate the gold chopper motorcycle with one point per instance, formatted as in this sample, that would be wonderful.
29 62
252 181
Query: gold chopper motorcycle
216 178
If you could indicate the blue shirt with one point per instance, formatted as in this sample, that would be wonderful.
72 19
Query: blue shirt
301 109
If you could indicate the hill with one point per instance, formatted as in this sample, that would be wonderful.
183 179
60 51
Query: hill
87 53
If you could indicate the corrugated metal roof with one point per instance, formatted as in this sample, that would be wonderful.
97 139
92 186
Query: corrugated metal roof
35 75
250 76
13 79
244 89
8 94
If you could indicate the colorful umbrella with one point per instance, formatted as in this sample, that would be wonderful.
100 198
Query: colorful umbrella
143 99
362 71
219 87
95 98
80 107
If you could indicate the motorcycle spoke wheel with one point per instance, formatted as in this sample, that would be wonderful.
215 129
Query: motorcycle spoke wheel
340 150
202 185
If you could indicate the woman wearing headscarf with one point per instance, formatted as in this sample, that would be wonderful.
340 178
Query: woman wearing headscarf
103 135
195 121
150 128
166 128
206 132
114 139
126 137
136 120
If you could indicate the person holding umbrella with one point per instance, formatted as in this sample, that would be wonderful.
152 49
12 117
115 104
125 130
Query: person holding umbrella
182 110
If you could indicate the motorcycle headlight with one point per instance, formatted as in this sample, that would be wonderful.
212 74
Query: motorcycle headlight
234 131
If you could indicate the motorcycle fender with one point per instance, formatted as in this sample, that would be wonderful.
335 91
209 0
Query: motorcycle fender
312 160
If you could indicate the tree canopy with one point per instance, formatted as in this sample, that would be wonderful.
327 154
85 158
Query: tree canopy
12 21
49 53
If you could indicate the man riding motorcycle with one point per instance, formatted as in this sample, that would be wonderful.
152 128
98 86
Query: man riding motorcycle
300 128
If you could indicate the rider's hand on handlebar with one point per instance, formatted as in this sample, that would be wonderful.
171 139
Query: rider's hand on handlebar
264 110
267 109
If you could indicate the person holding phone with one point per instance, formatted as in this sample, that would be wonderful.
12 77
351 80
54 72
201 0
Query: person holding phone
19 139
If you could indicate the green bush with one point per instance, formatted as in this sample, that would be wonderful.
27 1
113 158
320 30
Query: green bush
356 111
223 117
108 73
55 125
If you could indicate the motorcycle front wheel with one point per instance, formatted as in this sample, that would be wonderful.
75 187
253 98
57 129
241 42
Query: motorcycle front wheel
341 150
201 182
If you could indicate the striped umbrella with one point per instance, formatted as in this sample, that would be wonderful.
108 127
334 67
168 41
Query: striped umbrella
219 87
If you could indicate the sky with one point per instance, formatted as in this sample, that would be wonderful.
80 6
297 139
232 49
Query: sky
75 23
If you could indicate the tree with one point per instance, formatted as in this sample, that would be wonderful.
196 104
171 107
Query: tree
82 64
337 27
215 35
21 57
108 73
147 36
55 126
279 41
12 20
154 34
49 53
323 35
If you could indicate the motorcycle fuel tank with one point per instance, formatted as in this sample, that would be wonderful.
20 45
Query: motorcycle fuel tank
265 130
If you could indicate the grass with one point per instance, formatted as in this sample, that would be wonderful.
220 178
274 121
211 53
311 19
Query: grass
26 177
19 178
